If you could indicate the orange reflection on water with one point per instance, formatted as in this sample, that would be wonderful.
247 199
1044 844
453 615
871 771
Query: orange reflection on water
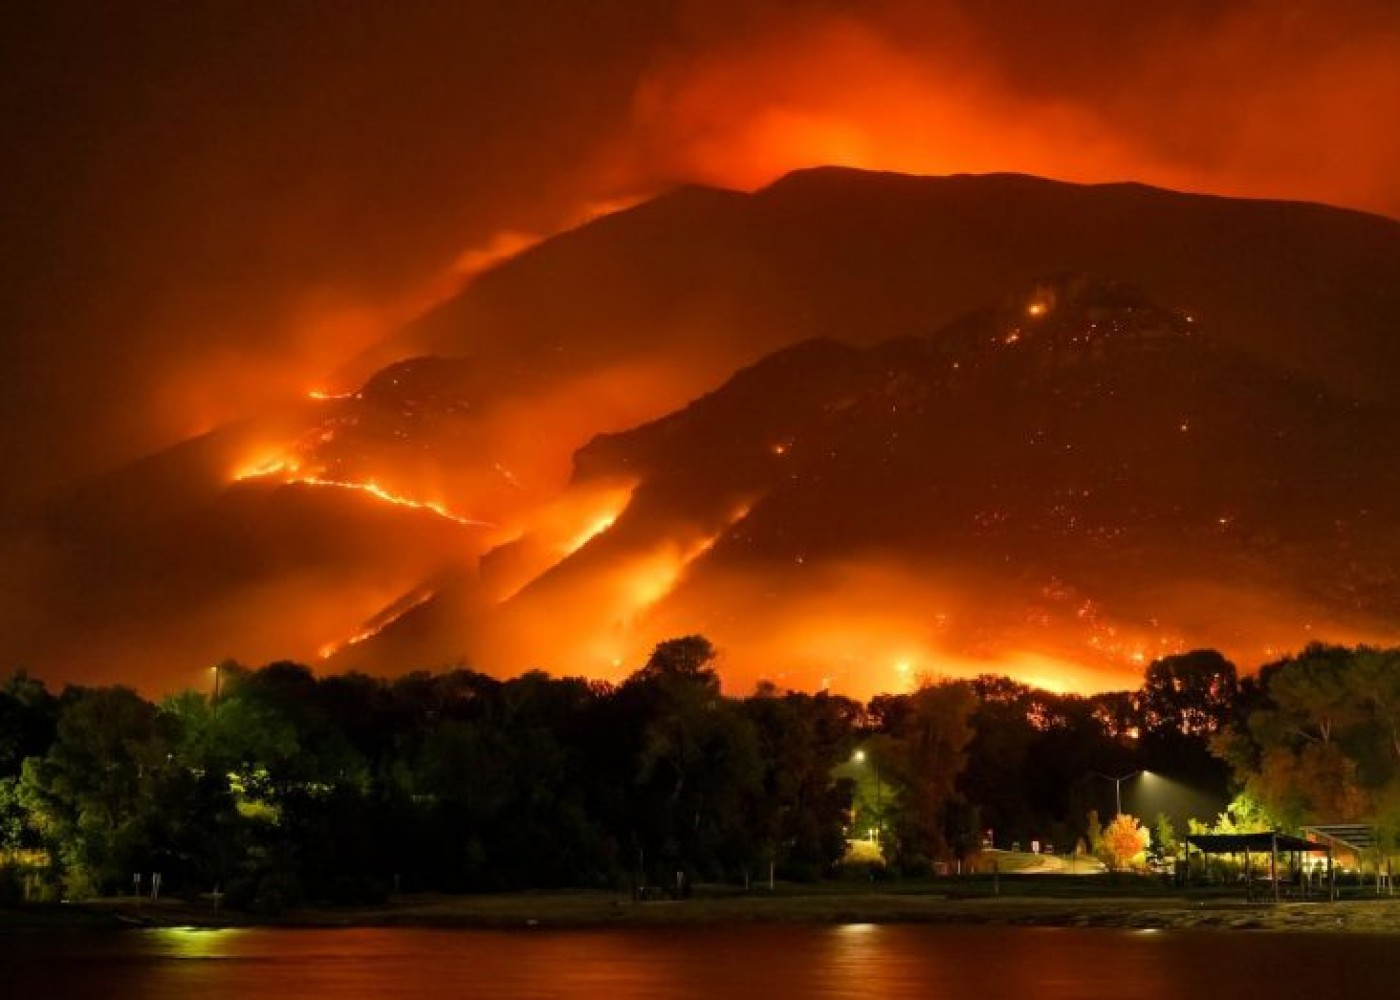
709 949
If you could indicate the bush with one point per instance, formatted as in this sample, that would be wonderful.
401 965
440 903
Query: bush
277 890
11 886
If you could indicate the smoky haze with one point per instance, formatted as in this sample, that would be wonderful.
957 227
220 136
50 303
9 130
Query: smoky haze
211 206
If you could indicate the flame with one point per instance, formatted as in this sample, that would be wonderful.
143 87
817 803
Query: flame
288 471
373 489
413 599
581 515
592 531
265 467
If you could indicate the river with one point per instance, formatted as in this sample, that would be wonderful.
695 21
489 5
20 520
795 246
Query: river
768 961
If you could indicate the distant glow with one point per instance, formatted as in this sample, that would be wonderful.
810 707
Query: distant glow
1036 309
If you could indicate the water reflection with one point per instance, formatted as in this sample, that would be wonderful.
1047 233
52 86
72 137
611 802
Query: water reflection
769 961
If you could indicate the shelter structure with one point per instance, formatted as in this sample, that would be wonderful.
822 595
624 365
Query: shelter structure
1271 843
1358 844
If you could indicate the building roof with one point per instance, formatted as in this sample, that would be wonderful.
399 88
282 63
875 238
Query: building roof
1356 836
1238 843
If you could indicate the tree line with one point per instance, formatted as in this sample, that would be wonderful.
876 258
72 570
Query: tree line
285 787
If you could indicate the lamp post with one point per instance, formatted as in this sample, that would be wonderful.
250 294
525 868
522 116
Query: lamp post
218 669
1117 787
859 758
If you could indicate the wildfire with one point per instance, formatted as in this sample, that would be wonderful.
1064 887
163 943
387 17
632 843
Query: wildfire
263 468
379 622
288 470
380 493
592 531
656 575
575 520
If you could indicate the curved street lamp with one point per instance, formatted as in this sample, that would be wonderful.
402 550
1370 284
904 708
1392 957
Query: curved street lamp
1117 787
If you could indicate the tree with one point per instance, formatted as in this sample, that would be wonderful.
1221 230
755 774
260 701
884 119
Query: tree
1191 694
800 812
91 794
697 768
1164 839
28 719
689 658
1124 840
1319 743
929 753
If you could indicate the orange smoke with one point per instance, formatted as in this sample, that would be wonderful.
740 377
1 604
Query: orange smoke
1261 103
839 93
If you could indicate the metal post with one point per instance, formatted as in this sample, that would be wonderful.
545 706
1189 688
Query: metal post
879 811
1273 863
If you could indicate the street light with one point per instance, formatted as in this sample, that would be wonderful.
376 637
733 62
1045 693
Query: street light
859 758
1117 787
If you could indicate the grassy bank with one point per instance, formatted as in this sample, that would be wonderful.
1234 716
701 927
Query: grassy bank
817 905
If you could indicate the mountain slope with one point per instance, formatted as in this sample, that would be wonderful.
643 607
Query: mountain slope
441 468
1075 474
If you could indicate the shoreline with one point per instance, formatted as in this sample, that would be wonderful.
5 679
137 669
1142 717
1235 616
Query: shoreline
601 910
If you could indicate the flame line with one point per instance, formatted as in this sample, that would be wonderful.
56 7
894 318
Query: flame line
268 469
380 493
376 625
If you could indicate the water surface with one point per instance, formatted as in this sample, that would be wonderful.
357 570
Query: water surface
768 961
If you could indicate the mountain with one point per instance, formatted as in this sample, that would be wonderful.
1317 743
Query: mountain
861 257
428 510
1074 479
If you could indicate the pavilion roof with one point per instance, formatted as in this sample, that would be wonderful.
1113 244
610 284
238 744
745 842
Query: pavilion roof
1238 843
1356 836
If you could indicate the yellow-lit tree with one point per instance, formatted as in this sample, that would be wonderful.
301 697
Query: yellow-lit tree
1124 840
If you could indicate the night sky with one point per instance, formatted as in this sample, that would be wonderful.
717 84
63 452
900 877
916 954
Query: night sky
209 208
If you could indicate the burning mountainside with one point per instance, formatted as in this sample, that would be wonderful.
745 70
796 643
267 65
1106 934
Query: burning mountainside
1075 480
1068 483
